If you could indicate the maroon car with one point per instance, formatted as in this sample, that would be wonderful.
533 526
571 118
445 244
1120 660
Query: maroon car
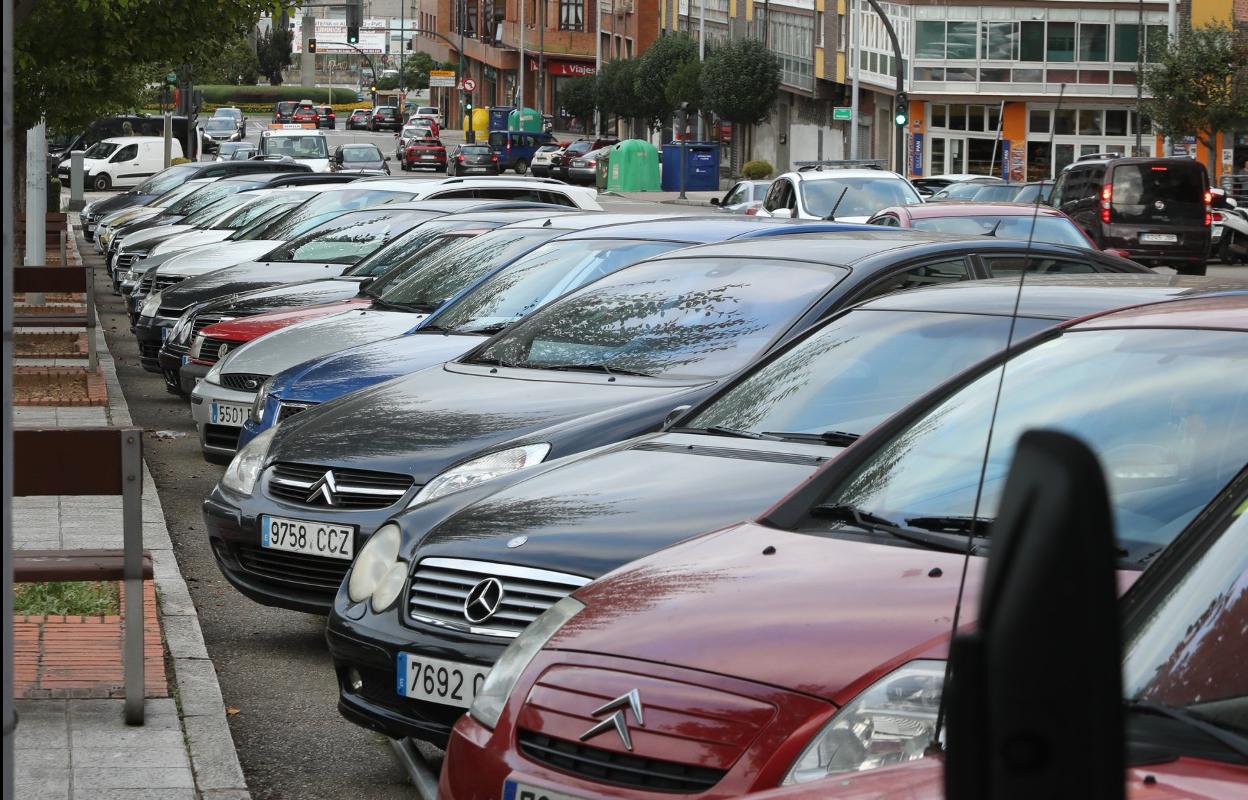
812 642
1003 220
306 113
424 154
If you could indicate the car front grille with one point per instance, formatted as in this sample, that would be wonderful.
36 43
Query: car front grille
203 321
619 769
287 409
440 587
210 352
221 437
154 283
175 348
346 489
149 351
125 260
242 381
315 572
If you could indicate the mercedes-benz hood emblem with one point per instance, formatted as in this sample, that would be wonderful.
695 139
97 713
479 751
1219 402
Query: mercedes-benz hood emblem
483 600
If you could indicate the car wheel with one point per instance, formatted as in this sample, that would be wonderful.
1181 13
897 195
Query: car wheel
1192 269
101 182
521 167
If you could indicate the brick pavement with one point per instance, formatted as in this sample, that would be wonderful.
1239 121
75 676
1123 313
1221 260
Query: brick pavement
58 386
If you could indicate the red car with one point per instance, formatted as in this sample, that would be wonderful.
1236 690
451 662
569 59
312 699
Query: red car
207 348
425 154
1003 220
811 643
305 113
326 118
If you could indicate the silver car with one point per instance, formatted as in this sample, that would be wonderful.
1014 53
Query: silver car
584 169
743 198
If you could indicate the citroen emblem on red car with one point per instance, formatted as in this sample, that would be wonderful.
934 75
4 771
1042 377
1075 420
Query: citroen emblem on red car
618 720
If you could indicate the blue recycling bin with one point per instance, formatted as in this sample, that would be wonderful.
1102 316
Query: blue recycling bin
701 167
498 117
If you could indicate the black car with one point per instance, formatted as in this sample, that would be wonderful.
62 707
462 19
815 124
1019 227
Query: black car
605 363
172 178
473 159
543 531
385 118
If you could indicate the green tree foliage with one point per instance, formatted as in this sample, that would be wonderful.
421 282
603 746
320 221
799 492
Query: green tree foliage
1193 86
655 69
416 68
685 86
617 87
740 81
579 96
273 49
77 60
235 62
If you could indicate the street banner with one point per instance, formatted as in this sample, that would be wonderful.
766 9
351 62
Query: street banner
439 78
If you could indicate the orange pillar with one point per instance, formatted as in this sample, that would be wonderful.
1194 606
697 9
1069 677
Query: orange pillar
1014 141
917 141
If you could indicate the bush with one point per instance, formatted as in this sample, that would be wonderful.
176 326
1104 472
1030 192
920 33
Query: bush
228 95
54 194
179 160
756 170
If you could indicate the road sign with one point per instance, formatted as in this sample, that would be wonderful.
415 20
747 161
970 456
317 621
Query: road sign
441 77
470 85
842 113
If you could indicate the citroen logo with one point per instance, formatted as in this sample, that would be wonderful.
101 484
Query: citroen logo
483 600
325 487
618 720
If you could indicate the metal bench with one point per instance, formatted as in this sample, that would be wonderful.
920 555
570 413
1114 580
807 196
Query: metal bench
59 279
91 461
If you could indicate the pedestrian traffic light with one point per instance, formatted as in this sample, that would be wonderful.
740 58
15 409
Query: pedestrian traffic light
312 46
903 110
353 34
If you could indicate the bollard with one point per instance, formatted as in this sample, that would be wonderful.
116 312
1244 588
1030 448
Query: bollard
76 180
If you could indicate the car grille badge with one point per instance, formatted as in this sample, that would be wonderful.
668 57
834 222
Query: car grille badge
618 720
325 488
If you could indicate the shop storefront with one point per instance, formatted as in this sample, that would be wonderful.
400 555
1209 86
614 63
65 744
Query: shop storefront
559 72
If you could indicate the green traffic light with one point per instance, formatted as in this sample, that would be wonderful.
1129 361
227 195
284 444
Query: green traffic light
901 118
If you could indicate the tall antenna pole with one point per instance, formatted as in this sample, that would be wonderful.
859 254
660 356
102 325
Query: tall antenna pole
1139 84
520 69
853 100
597 61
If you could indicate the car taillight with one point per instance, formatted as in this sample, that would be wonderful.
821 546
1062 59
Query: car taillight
590 163
1208 208
493 158
1107 194
459 159
1218 217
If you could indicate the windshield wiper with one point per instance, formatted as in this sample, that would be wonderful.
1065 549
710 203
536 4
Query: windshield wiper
877 524
486 330
1228 739
967 525
390 305
490 361
833 438
596 368
721 430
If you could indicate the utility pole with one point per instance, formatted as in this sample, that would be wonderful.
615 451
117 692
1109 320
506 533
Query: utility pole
1139 83
597 62
520 68
1172 33
853 64
463 23
307 60
702 53
541 60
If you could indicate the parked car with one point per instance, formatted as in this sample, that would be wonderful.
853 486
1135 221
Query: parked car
123 161
425 154
303 146
236 151
1156 209
561 161
1013 192
284 110
844 194
470 159
235 114
931 185
540 165
326 118
743 198
515 149
409 134
882 533
1002 220
584 169
306 113
61 145
360 158
964 189
427 122
385 118
111 223
358 121
602 364
429 111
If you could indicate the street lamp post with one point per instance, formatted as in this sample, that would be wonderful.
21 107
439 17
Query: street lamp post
597 63
1139 82
702 52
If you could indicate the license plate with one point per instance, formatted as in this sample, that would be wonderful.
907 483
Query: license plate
438 681
306 536
515 790
164 334
186 360
1163 238
428 158
232 414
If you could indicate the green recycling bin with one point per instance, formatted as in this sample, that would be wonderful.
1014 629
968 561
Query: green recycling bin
633 166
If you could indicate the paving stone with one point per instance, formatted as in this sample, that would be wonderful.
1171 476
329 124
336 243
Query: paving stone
135 794
91 778
50 788
183 639
198 687
170 756
215 759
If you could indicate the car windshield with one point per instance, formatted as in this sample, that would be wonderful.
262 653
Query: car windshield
215 210
364 153
1056 230
295 146
252 230
853 373
862 196
434 276
959 191
326 206
166 179
680 318
534 280
1160 408
101 150
222 124
257 208
206 195
1180 657
349 237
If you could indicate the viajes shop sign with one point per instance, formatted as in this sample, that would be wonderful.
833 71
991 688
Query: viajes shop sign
573 68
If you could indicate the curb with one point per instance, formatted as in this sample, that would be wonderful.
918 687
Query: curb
214 759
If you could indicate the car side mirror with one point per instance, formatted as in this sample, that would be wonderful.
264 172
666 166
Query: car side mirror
714 201
675 414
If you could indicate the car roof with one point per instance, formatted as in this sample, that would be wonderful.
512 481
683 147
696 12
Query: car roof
133 139
576 221
458 206
1051 296
955 208
833 174
714 228
961 176
271 132
841 249
1227 311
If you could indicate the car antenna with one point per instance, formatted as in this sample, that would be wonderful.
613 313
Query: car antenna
935 745
831 217
995 225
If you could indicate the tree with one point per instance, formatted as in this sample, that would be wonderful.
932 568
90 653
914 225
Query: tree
1193 87
234 62
655 68
685 86
273 49
416 68
579 96
741 81
617 92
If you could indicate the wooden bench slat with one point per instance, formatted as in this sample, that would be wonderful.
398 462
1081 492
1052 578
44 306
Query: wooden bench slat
49 320
50 279
30 566
68 461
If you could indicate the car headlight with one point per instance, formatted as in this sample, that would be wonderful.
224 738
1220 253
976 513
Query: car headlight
262 399
378 572
240 476
182 328
470 473
488 705
150 305
890 722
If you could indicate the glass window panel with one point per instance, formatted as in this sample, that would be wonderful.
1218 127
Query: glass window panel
959 74
1029 76
1124 77
938 155
1094 76
1061 42
1064 121
960 40
1090 122
929 39
929 73
996 74
1063 154
1116 123
1093 42
1089 149
1031 41
1126 42
1002 41
1039 158
994 117
940 114
957 117
1063 75
975 118
1038 121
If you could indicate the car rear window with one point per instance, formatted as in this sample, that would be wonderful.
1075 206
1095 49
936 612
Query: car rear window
1158 193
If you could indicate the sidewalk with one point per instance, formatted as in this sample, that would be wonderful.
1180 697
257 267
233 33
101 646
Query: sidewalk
71 742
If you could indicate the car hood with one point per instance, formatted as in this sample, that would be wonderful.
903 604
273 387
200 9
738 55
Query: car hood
246 277
152 234
217 256
193 238
284 298
294 344
102 208
253 327
422 423
595 512
322 379
129 215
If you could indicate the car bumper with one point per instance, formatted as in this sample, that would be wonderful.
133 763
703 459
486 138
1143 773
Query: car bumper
172 368
151 333
477 169
436 163
582 175
218 441
365 647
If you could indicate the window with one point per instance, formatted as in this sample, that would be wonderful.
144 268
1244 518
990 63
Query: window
1038 121
940 114
1061 41
1031 41
925 275
960 40
127 153
1093 42
571 15
1001 41
793 42
998 74
818 29
957 118
1157 41
779 196
1126 43
1029 76
929 73
1011 265
842 33
1064 121
1090 123
929 39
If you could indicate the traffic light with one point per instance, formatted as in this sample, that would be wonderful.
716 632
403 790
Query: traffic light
468 106
353 34
373 88
312 46
409 42
903 110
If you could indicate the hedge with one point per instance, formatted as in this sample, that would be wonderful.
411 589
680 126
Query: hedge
228 95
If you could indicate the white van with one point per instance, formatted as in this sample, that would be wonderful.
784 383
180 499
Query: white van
304 143
125 161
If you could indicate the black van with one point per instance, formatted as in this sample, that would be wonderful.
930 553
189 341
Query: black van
1155 211
59 147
